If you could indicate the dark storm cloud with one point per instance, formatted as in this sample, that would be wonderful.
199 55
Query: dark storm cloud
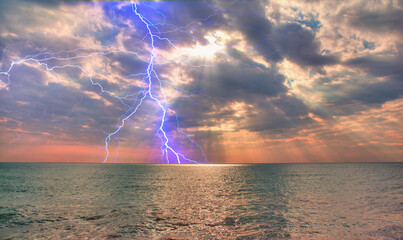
47 3
378 81
240 7
234 81
127 64
390 20
291 40
354 95
390 68
268 108
379 92
299 45
291 106
49 107
257 30
279 116
379 66
244 58
194 116
248 17
346 99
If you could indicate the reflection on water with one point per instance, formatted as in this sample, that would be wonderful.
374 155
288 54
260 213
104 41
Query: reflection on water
314 201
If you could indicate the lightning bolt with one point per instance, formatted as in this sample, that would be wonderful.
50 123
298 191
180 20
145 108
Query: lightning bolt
151 78
150 90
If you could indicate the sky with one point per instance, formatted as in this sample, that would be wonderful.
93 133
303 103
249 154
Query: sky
251 81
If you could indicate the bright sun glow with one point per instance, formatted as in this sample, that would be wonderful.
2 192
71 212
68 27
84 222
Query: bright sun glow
202 51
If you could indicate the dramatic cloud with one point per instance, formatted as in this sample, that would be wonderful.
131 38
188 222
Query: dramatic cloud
298 44
249 81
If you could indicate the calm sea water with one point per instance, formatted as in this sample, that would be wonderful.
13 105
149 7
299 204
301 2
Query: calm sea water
271 201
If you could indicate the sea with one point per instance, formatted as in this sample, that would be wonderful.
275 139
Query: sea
245 201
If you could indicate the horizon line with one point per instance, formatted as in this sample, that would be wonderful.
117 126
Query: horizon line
205 164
